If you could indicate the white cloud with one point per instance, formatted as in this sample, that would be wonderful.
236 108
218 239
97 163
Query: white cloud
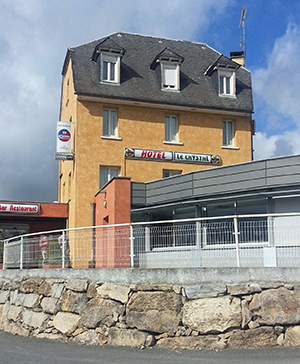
277 95
34 37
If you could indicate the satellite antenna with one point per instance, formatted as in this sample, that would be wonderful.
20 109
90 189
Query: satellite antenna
242 25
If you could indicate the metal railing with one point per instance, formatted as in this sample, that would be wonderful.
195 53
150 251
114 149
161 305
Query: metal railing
266 240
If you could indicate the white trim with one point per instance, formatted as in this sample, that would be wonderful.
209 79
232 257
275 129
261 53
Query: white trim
229 147
176 76
115 135
170 117
172 142
227 73
110 58
110 137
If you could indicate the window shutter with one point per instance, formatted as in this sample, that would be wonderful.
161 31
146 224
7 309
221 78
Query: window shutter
169 75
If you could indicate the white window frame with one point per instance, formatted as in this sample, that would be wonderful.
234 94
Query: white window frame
109 130
171 128
167 69
111 61
106 174
226 83
228 133
170 173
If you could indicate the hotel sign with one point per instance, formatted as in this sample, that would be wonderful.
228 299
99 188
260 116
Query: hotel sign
19 208
160 155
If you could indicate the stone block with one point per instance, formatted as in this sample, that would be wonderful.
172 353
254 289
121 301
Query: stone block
77 285
208 342
66 322
16 329
246 313
156 312
73 301
276 307
14 313
205 290
45 288
13 296
31 300
90 337
19 299
51 305
132 338
212 315
100 311
257 338
114 292
57 290
243 289
30 285
292 336
36 320
4 297
51 336
92 290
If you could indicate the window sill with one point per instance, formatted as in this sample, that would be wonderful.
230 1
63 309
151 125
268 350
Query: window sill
229 147
116 83
172 142
110 137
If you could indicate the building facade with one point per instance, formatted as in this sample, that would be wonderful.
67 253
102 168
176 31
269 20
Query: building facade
146 108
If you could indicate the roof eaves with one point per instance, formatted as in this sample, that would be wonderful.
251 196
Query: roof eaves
169 104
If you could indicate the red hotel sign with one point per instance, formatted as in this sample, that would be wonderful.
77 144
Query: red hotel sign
160 155
19 208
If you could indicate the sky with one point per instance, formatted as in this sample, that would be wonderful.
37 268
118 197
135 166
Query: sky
35 36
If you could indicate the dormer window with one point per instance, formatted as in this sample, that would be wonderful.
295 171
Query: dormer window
170 76
108 55
226 82
169 69
110 68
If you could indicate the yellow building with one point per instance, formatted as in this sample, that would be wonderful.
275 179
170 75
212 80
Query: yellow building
147 108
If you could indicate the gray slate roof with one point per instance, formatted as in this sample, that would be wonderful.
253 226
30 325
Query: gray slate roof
140 82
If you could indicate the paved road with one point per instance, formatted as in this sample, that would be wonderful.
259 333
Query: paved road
19 350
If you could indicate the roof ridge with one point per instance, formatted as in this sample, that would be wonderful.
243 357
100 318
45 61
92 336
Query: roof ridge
145 36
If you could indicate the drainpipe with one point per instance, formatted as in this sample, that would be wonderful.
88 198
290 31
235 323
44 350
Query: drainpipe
92 264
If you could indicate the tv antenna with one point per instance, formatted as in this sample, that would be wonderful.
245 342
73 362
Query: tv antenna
242 25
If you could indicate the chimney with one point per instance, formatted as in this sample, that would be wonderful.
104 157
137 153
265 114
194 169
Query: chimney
238 57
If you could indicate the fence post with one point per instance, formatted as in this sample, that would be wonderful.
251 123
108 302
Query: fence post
131 246
21 253
4 254
236 236
63 250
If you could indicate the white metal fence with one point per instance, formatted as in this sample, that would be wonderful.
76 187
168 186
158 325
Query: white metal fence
226 241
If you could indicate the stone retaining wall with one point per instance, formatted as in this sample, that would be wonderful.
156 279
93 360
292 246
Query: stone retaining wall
198 316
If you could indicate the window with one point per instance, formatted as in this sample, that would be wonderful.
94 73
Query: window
170 76
171 128
168 173
106 174
226 83
228 133
109 122
110 69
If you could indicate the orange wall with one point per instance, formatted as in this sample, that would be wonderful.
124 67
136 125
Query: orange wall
112 206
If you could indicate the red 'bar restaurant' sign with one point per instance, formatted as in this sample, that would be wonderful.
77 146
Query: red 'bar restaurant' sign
19 208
